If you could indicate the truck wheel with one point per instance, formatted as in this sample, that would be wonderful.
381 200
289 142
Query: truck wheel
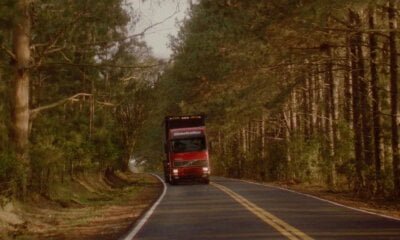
166 178
206 181
172 181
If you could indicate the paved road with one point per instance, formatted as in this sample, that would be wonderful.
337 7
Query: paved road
231 209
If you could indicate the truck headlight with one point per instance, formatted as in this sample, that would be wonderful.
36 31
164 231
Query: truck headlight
175 171
206 169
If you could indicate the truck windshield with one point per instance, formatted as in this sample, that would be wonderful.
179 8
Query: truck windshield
188 145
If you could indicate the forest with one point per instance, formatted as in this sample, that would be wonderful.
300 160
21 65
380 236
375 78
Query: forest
293 90
74 87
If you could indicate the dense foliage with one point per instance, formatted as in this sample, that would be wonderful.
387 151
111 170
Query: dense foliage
86 75
295 90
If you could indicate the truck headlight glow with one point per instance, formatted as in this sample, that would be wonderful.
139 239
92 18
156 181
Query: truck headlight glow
205 169
175 171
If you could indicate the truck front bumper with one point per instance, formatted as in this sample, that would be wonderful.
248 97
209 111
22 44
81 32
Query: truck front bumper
191 173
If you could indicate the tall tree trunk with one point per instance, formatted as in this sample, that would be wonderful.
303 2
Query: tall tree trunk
347 85
365 106
311 94
366 118
263 150
306 109
239 157
288 133
373 45
330 119
292 112
320 103
248 137
358 144
20 90
91 108
263 136
244 142
394 96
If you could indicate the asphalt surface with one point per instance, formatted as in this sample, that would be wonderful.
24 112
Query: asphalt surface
231 209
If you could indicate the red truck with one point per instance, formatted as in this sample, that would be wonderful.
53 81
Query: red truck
186 149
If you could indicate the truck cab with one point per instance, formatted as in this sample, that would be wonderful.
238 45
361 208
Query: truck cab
186 149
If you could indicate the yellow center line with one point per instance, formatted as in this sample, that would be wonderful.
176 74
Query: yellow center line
284 228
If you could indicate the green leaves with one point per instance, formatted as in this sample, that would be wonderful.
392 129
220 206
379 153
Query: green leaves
240 61
77 47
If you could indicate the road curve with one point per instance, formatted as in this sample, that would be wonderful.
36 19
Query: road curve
232 209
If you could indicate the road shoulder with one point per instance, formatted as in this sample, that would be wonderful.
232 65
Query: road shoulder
385 208
97 208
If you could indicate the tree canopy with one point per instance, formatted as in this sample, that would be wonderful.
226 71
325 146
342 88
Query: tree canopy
293 90
83 72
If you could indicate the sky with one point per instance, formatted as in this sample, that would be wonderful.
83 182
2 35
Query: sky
169 12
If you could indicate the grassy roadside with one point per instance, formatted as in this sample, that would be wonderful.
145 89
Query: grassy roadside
92 206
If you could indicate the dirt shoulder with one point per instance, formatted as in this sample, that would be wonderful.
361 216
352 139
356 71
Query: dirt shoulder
88 208
385 207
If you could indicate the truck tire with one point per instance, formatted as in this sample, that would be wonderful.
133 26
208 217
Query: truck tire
206 181
166 178
172 182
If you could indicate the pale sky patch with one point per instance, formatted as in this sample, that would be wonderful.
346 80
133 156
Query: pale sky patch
169 12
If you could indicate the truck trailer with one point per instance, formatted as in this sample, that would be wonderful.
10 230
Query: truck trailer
186 149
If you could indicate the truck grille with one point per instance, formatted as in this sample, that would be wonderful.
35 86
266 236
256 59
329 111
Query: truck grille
191 163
